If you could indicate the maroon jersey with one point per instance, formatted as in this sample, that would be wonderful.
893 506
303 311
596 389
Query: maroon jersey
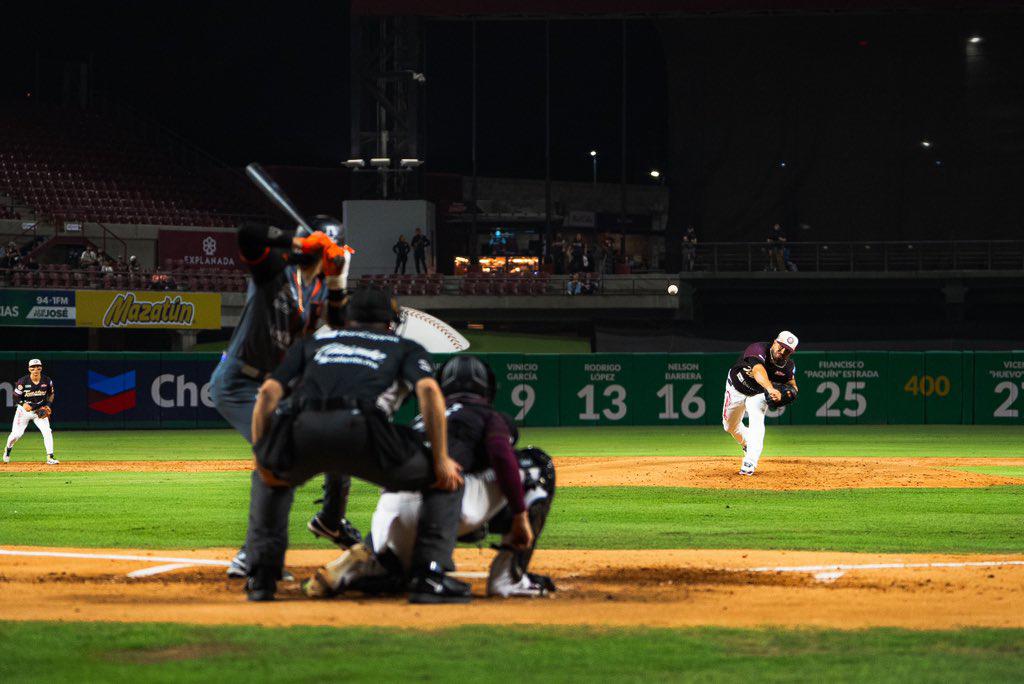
759 353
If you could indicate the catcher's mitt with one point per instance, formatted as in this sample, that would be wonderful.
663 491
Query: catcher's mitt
787 392
44 412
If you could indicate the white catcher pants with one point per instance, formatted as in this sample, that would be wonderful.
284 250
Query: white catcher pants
751 435
397 514
21 420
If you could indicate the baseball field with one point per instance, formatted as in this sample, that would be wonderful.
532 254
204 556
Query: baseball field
856 552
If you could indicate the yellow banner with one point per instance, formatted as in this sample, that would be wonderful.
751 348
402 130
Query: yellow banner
147 309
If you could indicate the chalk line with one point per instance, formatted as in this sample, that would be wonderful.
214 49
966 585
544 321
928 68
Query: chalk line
159 569
882 566
113 556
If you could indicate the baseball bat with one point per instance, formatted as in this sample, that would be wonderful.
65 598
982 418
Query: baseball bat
273 191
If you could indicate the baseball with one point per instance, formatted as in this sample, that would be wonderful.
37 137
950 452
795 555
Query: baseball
672 289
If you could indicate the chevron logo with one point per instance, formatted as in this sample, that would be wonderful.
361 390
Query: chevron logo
111 395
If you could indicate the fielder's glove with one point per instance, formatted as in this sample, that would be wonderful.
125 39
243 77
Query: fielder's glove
44 412
787 392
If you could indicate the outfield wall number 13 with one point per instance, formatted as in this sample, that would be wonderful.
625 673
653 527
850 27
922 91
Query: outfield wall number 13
617 411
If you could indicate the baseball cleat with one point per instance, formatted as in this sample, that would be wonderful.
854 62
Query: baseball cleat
239 568
345 536
261 586
335 577
50 460
744 471
7 458
530 585
433 586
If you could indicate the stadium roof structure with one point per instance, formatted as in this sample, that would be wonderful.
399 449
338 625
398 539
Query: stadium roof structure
512 9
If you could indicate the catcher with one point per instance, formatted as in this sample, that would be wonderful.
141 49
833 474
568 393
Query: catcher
763 377
507 492
34 395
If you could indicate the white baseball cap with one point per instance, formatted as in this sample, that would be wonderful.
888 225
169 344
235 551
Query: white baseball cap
788 340
34 362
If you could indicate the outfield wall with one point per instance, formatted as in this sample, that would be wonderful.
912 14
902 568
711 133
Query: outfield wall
110 390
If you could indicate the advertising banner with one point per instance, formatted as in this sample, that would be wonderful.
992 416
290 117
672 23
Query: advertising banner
151 310
103 390
198 249
37 307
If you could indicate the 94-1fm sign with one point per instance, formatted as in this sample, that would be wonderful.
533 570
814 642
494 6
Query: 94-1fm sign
35 308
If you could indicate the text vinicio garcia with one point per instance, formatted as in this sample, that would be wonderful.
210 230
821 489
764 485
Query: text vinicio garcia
126 311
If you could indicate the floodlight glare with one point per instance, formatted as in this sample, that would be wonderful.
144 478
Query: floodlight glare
380 162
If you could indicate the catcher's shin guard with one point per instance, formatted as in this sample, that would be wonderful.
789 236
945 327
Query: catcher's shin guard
508 575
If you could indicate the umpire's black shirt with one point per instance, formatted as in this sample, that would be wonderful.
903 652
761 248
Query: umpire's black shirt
355 363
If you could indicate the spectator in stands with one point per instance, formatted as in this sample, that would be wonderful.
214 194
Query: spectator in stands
558 254
576 250
401 250
89 258
31 264
689 248
589 286
107 267
420 242
574 286
133 264
776 246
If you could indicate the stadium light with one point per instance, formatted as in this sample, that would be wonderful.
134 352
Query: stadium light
593 153
354 163
593 156
655 173
926 143
380 162
410 163
974 39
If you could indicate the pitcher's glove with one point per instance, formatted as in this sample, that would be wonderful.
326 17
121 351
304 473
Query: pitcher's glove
787 392
44 412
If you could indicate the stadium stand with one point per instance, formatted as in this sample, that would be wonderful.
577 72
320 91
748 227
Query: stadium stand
77 165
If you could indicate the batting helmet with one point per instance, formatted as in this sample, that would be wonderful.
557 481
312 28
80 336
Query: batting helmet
325 224
467 374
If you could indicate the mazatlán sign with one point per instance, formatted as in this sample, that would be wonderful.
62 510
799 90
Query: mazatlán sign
37 307
148 310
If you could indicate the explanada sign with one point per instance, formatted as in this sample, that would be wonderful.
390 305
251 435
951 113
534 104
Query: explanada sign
200 249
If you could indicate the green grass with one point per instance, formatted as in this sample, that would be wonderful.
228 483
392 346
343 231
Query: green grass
76 652
481 341
1001 471
192 510
975 441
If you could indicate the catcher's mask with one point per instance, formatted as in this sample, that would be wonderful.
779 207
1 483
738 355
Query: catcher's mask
371 305
467 374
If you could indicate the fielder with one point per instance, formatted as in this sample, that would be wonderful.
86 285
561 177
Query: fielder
34 395
506 492
763 377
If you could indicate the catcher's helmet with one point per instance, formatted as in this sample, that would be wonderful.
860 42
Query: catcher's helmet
325 224
467 374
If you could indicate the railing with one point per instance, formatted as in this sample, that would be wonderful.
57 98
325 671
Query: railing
911 255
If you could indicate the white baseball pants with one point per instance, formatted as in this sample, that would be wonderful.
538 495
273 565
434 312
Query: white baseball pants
397 515
21 420
751 435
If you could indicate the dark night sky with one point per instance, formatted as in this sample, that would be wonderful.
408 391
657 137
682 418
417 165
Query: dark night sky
271 83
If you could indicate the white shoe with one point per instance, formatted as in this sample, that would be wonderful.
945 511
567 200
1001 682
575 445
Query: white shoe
50 460
7 459
747 468
500 581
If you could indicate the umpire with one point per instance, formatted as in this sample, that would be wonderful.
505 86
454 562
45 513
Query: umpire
348 382
284 302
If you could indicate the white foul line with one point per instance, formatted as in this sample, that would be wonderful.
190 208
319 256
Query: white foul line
881 566
102 556
158 569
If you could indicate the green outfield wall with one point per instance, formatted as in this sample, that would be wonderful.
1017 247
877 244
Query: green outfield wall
106 390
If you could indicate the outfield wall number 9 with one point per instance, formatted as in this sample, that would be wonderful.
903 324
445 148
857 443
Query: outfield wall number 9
617 394
1004 410
692 405
524 397
860 404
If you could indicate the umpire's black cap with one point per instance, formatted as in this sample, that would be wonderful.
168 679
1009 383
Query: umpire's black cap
371 305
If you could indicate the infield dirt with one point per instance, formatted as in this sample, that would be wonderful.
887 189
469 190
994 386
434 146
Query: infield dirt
613 588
